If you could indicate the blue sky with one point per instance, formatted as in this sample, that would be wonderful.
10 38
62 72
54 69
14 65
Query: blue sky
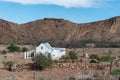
79 11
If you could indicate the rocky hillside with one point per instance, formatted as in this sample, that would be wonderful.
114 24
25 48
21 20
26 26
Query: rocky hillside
11 32
60 31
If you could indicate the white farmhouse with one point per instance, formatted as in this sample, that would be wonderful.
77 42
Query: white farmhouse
46 48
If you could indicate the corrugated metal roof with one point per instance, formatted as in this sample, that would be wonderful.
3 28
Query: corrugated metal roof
59 48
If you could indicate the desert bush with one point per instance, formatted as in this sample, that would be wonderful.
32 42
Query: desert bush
42 78
116 64
115 72
99 67
4 57
95 74
42 61
8 65
95 56
72 55
13 48
24 49
106 58
72 78
3 52
65 57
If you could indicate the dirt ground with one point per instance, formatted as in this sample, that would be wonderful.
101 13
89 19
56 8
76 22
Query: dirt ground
18 57
54 74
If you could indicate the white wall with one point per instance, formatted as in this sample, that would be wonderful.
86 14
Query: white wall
29 54
56 53
44 49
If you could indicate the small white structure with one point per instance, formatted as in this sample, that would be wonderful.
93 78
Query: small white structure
46 48
29 54
86 55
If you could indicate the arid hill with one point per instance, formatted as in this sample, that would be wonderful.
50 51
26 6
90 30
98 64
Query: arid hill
60 31
11 32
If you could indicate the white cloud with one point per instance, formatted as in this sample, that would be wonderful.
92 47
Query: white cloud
65 3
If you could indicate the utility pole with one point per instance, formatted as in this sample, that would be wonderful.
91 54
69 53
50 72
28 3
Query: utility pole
111 66
33 72
83 52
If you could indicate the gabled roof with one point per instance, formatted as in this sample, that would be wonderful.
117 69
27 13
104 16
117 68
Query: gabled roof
47 45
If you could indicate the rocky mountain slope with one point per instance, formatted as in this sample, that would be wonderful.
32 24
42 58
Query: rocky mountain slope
60 30
11 32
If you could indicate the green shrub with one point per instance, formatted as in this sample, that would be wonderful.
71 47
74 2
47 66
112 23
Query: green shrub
8 65
115 72
13 48
42 62
72 78
95 56
4 52
42 78
5 57
65 57
24 49
72 55
95 74
106 58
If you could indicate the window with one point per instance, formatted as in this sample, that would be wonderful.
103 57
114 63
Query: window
61 50
41 47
